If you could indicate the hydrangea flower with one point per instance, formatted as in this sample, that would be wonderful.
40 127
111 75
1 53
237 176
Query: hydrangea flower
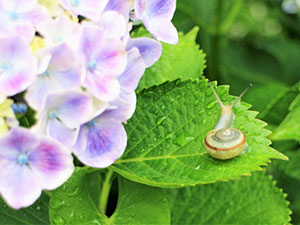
28 164
62 115
90 9
20 17
156 16
104 59
17 66
103 140
63 71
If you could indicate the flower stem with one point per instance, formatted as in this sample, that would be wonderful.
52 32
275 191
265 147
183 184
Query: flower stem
215 43
105 191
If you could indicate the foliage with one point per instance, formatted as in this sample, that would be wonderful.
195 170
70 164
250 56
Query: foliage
165 175
166 148
237 202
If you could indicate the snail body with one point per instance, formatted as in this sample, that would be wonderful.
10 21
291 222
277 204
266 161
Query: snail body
224 141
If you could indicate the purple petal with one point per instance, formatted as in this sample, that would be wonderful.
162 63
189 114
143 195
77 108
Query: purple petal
111 59
16 141
38 15
52 163
29 163
149 49
17 66
113 24
18 6
19 186
100 142
37 92
72 108
57 30
90 9
102 88
60 132
122 108
161 9
140 8
14 50
120 6
91 38
134 71
163 30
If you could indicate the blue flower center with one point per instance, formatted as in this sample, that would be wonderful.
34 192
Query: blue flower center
91 123
19 108
57 39
75 3
46 73
6 67
23 159
92 65
13 16
53 114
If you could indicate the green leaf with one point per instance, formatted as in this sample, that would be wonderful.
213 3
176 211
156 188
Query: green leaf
72 203
140 204
183 60
252 200
292 167
291 187
291 149
165 137
290 126
35 214
137 204
277 109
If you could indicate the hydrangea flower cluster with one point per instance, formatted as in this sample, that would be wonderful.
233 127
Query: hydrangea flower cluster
80 81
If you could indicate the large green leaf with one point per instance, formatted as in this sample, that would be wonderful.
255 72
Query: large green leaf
252 200
291 187
35 214
290 126
165 137
183 60
137 204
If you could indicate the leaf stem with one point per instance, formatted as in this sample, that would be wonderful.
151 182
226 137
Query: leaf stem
105 191
215 43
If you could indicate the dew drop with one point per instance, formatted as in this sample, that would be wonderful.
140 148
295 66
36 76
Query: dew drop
59 220
212 105
38 207
57 205
74 192
160 120
180 140
95 221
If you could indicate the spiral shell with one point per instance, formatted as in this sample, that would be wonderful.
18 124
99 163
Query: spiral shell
225 143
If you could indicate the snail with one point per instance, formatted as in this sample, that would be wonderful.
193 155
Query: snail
224 141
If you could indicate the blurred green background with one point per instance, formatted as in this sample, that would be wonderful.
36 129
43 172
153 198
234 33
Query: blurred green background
258 42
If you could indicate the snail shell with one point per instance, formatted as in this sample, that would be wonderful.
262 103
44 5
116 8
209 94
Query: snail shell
225 143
